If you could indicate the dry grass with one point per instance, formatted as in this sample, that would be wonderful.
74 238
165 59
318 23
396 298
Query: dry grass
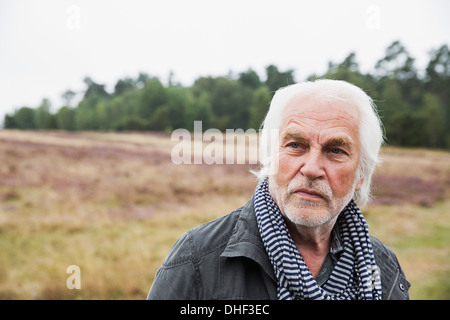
114 204
420 237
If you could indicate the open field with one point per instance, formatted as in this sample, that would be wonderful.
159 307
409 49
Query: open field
114 204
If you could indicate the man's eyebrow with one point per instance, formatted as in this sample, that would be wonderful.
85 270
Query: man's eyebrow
338 142
343 141
294 135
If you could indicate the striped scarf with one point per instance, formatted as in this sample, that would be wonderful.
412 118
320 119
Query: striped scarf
355 275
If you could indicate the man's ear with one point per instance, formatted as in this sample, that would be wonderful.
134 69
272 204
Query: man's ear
359 184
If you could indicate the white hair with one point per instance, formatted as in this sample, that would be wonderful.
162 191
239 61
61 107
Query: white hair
370 127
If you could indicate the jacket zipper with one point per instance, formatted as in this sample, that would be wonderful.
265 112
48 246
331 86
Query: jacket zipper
393 284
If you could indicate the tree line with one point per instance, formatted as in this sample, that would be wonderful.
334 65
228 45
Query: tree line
414 104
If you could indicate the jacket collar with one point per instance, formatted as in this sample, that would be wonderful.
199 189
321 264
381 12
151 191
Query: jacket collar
246 240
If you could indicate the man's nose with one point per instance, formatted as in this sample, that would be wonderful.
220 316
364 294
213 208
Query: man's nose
312 165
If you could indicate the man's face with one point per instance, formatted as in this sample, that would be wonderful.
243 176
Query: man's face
318 160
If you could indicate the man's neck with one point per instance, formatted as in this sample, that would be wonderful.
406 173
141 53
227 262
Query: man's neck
313 243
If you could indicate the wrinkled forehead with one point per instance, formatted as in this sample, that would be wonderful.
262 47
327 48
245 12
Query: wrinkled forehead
321 110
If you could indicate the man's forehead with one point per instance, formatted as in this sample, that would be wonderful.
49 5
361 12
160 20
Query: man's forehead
320 109
320 106
336 118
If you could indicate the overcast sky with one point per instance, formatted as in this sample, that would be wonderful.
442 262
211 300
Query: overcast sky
49 46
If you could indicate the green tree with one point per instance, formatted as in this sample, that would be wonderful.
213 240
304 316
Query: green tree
24 118
68 96
161 119
259 107
65 118
229 101
176 104
433 116
42 115
94 89
392 109
142 79
198 109
350 63
122 85
152 96
9 122
438 70
437 81
397 63
102 116
86 115
348 70
276 79
249 79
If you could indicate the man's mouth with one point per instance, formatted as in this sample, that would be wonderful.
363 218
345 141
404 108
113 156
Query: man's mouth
309 194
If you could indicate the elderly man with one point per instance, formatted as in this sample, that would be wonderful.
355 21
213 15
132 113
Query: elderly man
301 235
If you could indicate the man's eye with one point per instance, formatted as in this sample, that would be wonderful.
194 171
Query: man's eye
294 145
336 151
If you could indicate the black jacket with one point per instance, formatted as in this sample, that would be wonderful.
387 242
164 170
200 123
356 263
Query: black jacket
226 259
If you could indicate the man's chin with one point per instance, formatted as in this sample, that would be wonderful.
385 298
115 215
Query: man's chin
308 216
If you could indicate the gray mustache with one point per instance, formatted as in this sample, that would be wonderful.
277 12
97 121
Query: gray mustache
322 188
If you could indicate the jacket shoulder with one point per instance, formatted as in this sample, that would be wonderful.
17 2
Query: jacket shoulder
202 240
381 249
393 279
